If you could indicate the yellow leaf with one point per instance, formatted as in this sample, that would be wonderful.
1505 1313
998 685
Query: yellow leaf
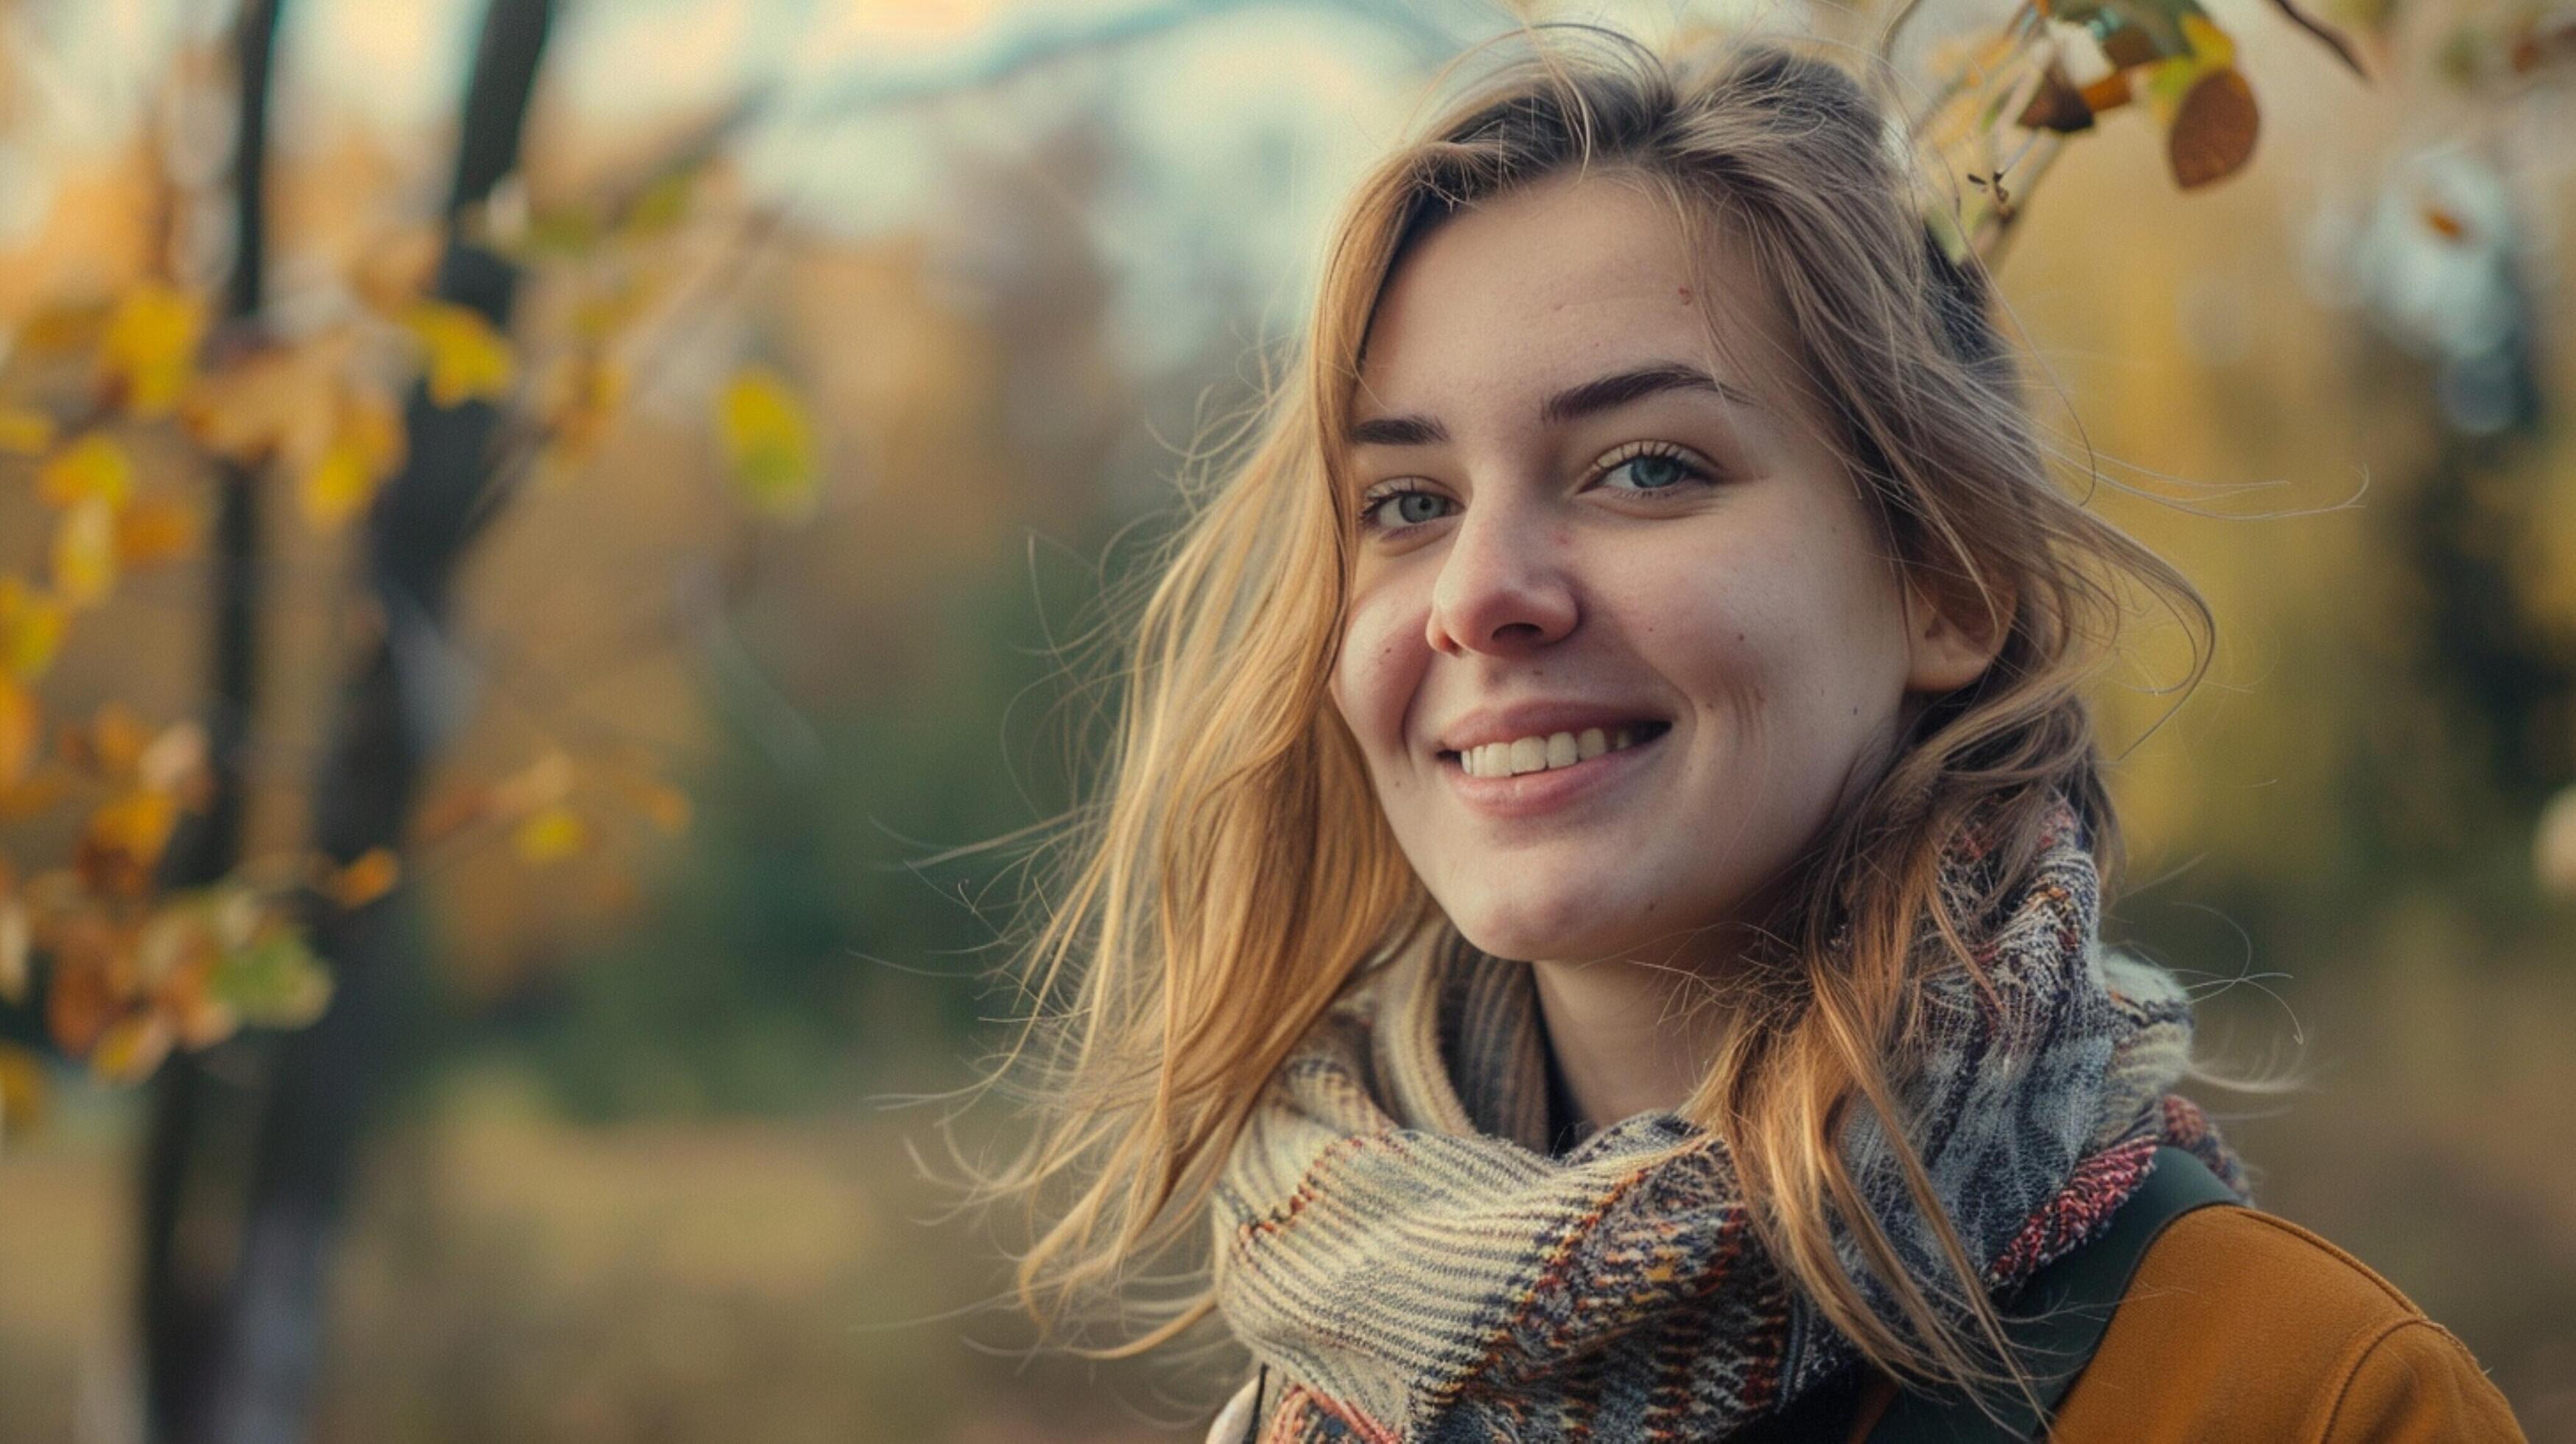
22 1089
63 329
2210 45
22 734
150 351
769 443
370 877
131 1048
25 431
465 357
550 834
123 842
33 797
365 445
93 468
31 630
85 553
154 530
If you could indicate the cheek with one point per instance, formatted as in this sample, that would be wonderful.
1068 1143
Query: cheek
1381 665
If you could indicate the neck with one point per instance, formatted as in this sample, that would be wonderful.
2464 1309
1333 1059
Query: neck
1627 1037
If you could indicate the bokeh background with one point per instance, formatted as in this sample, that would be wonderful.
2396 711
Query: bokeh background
837 361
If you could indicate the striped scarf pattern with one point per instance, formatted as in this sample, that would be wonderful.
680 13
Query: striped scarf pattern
1399 1248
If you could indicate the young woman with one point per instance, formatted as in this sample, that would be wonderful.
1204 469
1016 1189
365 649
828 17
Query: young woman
1594 897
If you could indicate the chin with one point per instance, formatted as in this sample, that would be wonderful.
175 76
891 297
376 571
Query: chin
1565 926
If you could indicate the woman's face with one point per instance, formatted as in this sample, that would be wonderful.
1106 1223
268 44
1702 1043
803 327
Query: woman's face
1583 527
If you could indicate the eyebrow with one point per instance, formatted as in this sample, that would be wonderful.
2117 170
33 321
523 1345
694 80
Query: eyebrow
1589 398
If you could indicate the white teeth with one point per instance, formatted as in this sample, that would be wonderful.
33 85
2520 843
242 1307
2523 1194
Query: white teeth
1539 754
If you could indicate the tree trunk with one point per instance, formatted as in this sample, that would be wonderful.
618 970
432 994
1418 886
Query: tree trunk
397 705
180 1290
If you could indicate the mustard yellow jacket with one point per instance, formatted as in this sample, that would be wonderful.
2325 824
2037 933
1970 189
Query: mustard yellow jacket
2239 1326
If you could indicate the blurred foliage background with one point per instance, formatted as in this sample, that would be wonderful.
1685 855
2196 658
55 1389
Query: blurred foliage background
814 368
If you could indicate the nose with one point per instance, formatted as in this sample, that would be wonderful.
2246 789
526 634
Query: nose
1503 587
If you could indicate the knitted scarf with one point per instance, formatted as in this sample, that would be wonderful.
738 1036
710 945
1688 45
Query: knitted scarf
1398 1247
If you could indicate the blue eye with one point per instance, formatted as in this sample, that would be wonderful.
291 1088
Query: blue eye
1647 466
1403 510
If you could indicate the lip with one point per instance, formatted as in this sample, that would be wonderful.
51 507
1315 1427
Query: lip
1529 794
1535 719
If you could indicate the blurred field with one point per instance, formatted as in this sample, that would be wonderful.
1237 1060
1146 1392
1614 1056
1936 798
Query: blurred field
513 1277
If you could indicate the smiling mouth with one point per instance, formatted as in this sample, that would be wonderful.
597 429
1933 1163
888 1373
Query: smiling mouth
1553 750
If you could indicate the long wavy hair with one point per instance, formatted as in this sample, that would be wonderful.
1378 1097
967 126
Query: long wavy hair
1231 873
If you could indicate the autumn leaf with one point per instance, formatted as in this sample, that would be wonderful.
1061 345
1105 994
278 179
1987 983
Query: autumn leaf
175 960
274 981
94 468
22 733
366 444
25 431
149 352
129 1049
84 555
60 330
2213 129
550 834
154 531
31 630
2058 104
123 842
33 797
2207 109
370 877
466 359
81 997
769 443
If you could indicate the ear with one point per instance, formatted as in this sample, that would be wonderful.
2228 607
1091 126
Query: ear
1950 641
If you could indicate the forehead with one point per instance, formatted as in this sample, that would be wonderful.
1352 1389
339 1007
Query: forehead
1556 282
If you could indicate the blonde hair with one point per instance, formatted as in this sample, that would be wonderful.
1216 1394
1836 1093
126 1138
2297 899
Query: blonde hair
1232 873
